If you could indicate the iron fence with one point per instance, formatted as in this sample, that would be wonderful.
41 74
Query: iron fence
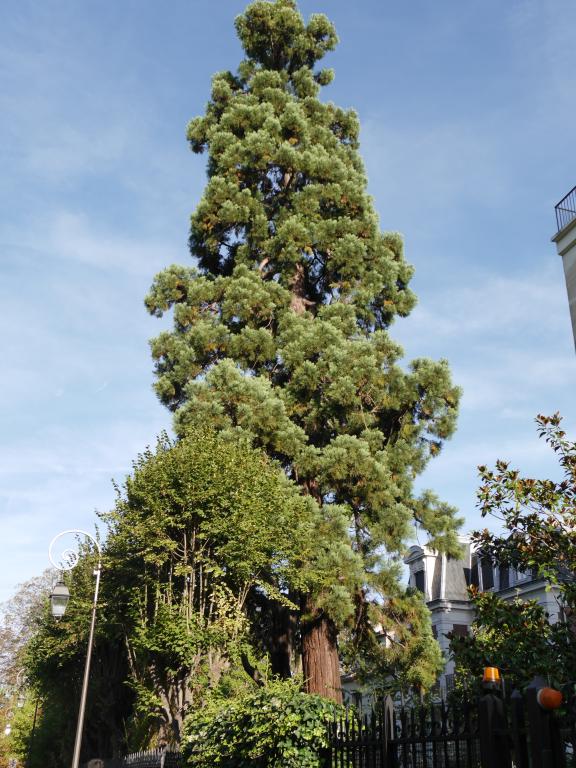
488 733
566 210
436 736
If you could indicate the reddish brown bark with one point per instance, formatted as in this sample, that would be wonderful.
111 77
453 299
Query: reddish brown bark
320 663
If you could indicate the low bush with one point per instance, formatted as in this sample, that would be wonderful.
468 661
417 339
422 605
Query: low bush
277 726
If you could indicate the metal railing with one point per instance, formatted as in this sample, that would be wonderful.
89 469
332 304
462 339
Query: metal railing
566 210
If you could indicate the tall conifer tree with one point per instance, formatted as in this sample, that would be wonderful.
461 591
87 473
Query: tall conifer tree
282 330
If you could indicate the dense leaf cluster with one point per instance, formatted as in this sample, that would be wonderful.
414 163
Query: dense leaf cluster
273 727
402 656
539 521
204 530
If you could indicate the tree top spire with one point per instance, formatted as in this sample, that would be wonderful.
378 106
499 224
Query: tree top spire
274 34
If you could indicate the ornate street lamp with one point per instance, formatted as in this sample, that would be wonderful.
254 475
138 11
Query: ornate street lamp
59 600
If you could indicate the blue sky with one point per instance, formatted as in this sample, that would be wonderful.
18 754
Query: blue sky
467 113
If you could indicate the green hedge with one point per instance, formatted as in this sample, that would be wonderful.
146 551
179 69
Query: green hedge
273 727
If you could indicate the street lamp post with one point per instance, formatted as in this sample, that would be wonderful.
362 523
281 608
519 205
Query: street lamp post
59 600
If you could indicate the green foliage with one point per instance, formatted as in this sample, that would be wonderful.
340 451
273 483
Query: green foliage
403 656
538 515
277 726
55 658
19 617
281 332
517 638
202 529
539 518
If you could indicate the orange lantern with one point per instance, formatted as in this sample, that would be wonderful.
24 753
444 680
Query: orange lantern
549 698
491 675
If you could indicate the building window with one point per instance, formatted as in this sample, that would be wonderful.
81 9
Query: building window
434 632
419 580
504 577
524 575
487 574
460 630
474 576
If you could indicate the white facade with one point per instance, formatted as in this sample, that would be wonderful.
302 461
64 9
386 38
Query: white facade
565 240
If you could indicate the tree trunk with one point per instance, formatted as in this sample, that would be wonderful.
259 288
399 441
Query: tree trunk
320 662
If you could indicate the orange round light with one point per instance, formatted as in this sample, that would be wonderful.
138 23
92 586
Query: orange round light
549 698
491 675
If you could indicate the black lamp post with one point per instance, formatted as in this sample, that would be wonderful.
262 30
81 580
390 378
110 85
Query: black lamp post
59 600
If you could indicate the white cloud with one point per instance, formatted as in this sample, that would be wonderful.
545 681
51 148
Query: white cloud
72 237
496 303
72 152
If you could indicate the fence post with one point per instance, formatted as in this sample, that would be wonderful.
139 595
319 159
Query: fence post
387 731
493 732
325 753
518 730
539 726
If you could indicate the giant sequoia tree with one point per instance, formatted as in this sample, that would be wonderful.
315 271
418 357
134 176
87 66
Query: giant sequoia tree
282 329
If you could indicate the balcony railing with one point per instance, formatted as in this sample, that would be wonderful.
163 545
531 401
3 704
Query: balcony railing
566 210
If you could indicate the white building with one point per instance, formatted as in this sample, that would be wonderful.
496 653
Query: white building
444 581
565 239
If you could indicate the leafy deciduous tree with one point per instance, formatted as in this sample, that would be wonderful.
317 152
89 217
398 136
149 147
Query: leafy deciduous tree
517 638
204 531
539 516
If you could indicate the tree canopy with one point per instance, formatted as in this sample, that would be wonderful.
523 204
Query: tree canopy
538 536
518 638
281 330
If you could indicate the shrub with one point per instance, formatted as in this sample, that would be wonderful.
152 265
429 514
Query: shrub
273 727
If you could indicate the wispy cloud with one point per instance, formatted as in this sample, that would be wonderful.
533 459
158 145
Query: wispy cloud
71 236
487 302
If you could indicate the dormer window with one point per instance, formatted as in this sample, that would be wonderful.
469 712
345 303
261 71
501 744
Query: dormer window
474 575
420 581
487 574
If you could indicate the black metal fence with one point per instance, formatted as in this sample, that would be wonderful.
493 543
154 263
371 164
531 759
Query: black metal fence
491 732
436 736
156 758
488 733
566 210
